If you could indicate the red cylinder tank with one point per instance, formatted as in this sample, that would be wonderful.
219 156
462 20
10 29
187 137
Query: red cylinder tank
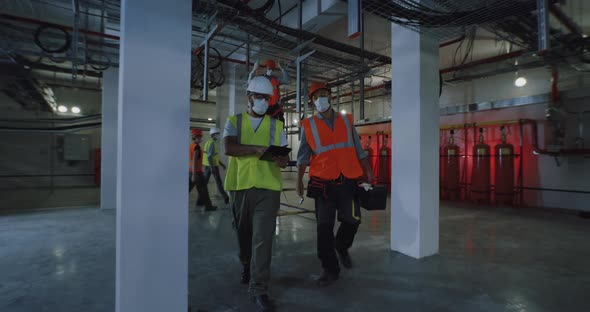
504 184
384 162
480 175
369 150
451 183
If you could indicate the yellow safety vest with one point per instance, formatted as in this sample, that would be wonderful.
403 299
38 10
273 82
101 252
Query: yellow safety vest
215 153
246 172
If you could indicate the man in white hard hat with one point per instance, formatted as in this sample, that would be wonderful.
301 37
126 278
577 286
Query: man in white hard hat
211 162
255 185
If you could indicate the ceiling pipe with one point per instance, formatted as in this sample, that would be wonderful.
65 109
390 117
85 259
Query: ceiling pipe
53 120
43 23
452 41
565 20
489 60
382 86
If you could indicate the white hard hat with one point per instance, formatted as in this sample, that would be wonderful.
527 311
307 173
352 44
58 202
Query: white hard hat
260 85
213 131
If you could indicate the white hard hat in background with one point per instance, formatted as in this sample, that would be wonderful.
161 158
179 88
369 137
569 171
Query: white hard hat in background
260 85
213 131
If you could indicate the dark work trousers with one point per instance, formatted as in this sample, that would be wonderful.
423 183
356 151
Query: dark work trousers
255 211
340 199
208 171
203 193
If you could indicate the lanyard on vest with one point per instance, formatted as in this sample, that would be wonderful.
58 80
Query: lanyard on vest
273 128
325 148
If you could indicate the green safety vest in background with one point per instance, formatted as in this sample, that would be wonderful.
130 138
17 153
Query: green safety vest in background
246 172
215 153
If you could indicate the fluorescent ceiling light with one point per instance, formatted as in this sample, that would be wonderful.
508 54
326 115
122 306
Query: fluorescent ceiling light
520 82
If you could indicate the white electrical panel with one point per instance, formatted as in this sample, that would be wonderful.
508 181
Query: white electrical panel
76 147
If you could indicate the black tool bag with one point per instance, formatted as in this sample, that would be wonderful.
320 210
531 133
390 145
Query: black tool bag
375 199
316 189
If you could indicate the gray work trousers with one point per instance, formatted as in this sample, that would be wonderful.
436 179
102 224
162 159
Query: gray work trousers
255 211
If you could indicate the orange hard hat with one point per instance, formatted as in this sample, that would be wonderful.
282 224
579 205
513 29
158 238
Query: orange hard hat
197 132
316 86
270 64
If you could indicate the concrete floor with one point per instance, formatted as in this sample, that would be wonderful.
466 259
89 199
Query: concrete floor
491 259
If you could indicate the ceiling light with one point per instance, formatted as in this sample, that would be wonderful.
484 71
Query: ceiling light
62 109
295 121
343 111
520 82
76 110
210 119
368 101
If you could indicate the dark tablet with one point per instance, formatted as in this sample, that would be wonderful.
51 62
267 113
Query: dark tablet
273 151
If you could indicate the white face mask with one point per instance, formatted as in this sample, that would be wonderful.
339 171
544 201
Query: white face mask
259 106
269 72
322 104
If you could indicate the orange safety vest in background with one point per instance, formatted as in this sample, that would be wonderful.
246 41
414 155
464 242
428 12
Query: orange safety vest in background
333 151
192 149
276 92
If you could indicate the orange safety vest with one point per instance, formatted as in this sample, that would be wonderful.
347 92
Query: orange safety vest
333 151
192 149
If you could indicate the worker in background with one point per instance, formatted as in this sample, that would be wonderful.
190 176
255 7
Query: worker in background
275 107
196 176
330 146
211 162
255 186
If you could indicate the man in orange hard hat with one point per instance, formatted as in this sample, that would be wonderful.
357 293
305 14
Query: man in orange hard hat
196 176
330 146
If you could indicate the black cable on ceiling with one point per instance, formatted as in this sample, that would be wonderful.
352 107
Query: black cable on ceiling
424 17
234 8
265 8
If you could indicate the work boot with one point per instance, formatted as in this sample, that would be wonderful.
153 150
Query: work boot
210 208
264 303
245 277
344 258
326 279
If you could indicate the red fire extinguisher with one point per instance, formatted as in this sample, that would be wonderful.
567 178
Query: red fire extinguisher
504 185
384 161
480 176
369 150
451 185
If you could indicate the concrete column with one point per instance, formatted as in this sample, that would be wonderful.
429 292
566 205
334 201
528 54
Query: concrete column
414 128
108 170
231 97
153 126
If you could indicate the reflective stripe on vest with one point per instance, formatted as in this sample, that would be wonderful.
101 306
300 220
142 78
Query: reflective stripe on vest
246 172
336 155
316 137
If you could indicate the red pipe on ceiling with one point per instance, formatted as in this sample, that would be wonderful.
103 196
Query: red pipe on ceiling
489 60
